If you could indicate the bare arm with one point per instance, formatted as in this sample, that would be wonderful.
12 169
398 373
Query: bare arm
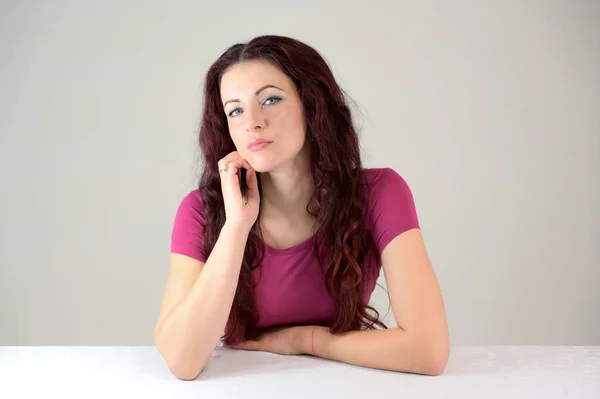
197 302
421 342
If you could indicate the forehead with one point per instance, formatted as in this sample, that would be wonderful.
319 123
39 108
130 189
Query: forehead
246 77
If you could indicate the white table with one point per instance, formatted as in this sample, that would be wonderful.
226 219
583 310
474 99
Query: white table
132 372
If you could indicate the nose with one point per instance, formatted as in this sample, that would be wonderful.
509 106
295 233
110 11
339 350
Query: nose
255 120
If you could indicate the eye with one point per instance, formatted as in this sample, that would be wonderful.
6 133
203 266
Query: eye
232 113
271 100
268 101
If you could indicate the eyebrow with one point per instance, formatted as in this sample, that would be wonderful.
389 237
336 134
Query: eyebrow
233 100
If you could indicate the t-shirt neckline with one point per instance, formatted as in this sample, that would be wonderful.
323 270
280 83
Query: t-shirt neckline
303 246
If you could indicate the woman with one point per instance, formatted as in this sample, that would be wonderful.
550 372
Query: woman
281 245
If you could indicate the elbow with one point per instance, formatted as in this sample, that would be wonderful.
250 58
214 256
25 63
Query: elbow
183 373
431 355
183 369
178 365
435 358
435 366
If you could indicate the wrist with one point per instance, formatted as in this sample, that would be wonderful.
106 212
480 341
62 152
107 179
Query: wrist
313 340
235 229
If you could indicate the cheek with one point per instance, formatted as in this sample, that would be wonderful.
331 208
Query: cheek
291 125
236 133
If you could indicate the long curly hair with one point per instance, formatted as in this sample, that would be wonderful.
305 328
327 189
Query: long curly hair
342 240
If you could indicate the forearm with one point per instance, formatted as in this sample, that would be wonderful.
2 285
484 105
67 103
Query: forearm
192 330
392 349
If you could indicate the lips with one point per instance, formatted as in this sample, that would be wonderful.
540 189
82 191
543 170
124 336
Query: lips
258 144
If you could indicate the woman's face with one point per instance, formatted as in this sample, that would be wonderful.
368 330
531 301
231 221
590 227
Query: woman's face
262 104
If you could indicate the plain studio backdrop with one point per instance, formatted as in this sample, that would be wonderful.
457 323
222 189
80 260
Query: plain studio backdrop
489 110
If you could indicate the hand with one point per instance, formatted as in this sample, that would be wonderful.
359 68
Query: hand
239 211
283 341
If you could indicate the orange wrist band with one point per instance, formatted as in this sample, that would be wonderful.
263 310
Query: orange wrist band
313 341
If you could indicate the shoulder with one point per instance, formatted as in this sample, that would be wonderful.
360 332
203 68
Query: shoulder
188 227
189 216
191 205
382 181
193 198
389 207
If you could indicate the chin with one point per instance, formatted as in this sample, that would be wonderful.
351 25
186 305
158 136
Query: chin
259 163
260 167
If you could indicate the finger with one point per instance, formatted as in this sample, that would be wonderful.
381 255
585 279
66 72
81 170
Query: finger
222 166
222 171
245 345
230 157
245 164
251 182
232 176
234 169
237 345
233 156
225 161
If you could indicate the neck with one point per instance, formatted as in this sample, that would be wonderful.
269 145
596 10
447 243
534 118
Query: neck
286 191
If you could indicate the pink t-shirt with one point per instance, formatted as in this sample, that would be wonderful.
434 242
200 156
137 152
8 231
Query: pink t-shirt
291 289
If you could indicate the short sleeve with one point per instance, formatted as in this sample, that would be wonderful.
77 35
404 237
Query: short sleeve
186 237
392 208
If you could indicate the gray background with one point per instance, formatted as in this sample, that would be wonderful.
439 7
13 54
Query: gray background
490 111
